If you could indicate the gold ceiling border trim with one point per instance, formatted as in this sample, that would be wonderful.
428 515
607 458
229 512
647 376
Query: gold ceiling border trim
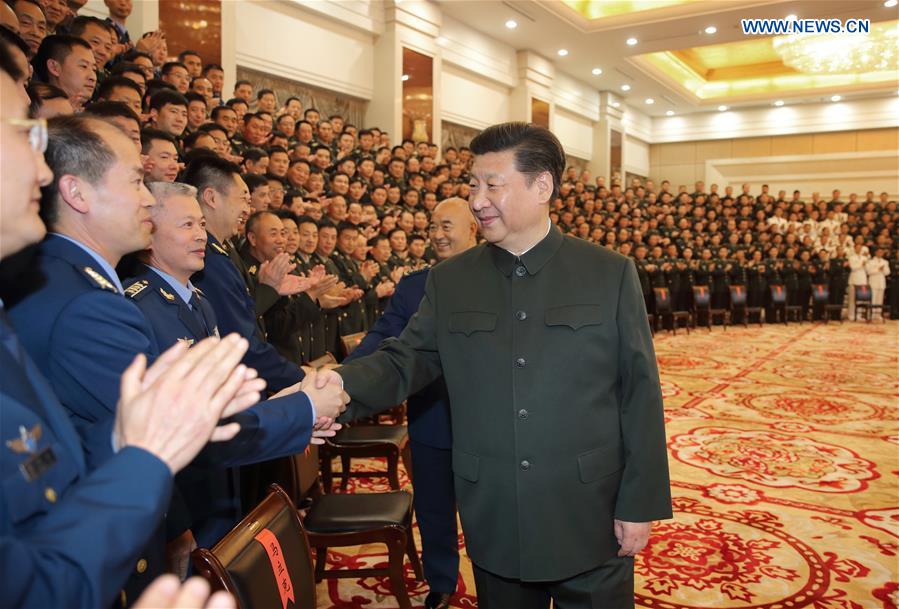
646 17
660 65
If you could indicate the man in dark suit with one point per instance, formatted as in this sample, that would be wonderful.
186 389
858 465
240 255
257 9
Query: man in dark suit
73 529
452 230
559 449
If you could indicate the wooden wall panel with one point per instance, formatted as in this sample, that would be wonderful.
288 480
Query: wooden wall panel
194 25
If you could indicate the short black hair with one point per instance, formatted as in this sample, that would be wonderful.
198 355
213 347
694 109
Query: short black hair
148 136
254 181
209 67
126 67
293 98
192 96
171 65
187 52
265 92
325 223
214 115
167 97
113 82
39 92
242 82
56 47
74 147
286 214
80 23
8 40
210 127
536 149
253 220
345 226
210 171
273 149
236 100
254 154
112 109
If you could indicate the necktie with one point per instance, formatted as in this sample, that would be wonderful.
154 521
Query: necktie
198 312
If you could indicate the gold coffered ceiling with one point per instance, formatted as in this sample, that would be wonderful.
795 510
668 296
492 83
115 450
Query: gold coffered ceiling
754 69
597 9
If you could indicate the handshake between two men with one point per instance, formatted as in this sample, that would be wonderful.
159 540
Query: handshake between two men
174 407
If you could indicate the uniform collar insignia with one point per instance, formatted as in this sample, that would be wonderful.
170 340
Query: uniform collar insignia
219 249
27 441
100 280
166 295
252 270
187 341
136 288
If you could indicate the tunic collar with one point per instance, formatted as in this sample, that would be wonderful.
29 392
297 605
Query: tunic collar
534 259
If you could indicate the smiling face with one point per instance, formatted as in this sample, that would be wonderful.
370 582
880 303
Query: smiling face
178 243
511 208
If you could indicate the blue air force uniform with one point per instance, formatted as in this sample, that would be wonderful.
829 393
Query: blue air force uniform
83 332
430 434
69 536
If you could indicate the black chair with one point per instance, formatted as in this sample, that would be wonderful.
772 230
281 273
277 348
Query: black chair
863 302
265 560
664 310
778 302
344 520
702 303
365 441
738 300
821 302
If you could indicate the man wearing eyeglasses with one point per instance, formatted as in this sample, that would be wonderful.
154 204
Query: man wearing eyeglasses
72 526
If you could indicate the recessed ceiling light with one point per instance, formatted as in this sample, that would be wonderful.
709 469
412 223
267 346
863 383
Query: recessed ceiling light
722 108
791 17
649 101
596 71
891 3
836 98
779 103
615 104
562 52
632 41
669 113
511 24
405 77
711 29
625 87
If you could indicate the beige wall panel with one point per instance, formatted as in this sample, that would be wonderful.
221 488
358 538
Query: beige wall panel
713 149
752 146
878 139
676 174
792 144
835 142
674 154
655 154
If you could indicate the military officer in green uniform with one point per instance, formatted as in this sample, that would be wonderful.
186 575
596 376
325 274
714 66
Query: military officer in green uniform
559 449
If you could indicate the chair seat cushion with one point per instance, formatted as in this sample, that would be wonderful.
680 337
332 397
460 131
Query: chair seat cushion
372 434
358 512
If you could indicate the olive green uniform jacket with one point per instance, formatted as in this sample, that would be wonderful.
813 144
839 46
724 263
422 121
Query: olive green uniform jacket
556 405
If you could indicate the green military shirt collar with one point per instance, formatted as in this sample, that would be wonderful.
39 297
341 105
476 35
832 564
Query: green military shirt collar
534 259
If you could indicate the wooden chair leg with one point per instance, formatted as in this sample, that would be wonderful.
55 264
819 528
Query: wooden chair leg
396 547
321 558
393 470
406 456
412 553
345 463
327 476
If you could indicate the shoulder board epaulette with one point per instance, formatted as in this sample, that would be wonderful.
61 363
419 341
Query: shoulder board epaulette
168 296
99 279
199 292
136 288
219 249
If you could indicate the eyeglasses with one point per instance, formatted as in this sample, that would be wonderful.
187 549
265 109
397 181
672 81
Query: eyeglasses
37 131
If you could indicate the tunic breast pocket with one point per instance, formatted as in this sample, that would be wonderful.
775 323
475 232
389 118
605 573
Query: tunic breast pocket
574 316
470 322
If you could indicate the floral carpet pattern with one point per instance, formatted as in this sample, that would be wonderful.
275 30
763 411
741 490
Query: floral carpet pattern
784 457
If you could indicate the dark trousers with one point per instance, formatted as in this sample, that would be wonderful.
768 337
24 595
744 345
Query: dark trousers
609 586
435 509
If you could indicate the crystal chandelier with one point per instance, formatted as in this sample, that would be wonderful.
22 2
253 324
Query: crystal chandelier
841 53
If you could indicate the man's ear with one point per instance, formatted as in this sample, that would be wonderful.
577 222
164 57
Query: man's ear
251 239
207 196
544 183
75 193
154 115
54 68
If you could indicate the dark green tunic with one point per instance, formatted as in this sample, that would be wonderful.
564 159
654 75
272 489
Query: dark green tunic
556 405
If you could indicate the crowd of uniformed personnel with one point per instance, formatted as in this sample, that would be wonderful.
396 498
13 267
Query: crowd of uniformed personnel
292 229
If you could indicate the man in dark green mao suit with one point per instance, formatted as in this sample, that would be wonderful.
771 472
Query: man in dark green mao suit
559 450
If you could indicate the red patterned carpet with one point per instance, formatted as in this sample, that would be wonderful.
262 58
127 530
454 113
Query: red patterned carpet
784 456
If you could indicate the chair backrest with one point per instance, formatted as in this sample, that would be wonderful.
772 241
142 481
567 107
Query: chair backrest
738 295
663 299
862 293
265 560
702 296
820 293
778 294
350 342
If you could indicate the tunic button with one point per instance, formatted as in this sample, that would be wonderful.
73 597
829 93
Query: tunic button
520 271
520 362
141 565
522 414
525 465
50 495
521 315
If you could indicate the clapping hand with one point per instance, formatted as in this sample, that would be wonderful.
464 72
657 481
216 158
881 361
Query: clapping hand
166 592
